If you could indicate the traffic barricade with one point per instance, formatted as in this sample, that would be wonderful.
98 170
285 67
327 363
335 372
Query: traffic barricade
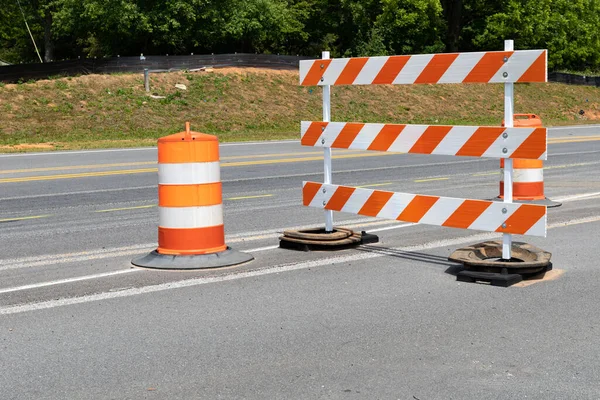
508 143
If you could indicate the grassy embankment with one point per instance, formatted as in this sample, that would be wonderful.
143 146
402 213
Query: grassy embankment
97 111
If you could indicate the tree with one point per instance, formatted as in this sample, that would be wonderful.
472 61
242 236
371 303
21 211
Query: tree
567 28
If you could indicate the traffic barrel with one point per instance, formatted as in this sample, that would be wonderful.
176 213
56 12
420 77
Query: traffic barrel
191 232
528 175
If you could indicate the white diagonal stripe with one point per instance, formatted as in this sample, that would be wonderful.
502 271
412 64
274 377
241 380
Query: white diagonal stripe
370 71
316 201
357 200
366 136
461 67
492 218
305 66
407 139
441 211
304 125
189 173
539 228
413 68
190 217
334 71
332 131
516 65
455 140
395 205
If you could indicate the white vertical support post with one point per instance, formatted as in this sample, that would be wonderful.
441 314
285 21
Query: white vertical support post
327 150
509 110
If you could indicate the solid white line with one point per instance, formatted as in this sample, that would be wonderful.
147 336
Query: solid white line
576 197
68 280
153 148
35 196
267 271
102 275
51 153
389 228
562 128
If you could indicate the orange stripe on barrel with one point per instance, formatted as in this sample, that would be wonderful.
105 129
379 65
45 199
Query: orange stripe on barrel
315 72
313 133
191 241
340 198
466 214
187 151
487 67
309 191
375 203
208 194
524 164
436 67
386 137
523 219
347 135
417 208
525 190
351 71
430 139
480 141
390 70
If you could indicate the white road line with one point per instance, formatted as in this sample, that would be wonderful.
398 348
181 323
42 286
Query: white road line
68 280
35 196
102 275
267 271
562 128
67 152
577 197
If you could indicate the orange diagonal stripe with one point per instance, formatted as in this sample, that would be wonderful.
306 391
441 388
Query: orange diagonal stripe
376 202
339 198
487 67
315 72
390 70
386 137
417 208
429 140
313 133
481 140
533 147
537 71
436 67
309 191
466 214
523 219
347 135
351 71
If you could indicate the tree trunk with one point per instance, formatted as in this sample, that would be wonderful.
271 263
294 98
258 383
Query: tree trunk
48 41
453 13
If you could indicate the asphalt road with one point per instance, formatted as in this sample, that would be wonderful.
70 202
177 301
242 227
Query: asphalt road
385 321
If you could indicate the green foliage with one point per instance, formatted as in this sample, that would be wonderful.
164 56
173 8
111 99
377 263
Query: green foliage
65 29
569 29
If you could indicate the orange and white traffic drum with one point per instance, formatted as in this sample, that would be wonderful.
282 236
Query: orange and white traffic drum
190 204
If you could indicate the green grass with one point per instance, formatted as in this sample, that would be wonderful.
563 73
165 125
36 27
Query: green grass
97 111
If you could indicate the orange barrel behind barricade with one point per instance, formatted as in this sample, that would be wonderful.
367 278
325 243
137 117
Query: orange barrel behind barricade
528 175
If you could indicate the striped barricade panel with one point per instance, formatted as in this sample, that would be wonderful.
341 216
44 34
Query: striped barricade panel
474 141
477 67
491 216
